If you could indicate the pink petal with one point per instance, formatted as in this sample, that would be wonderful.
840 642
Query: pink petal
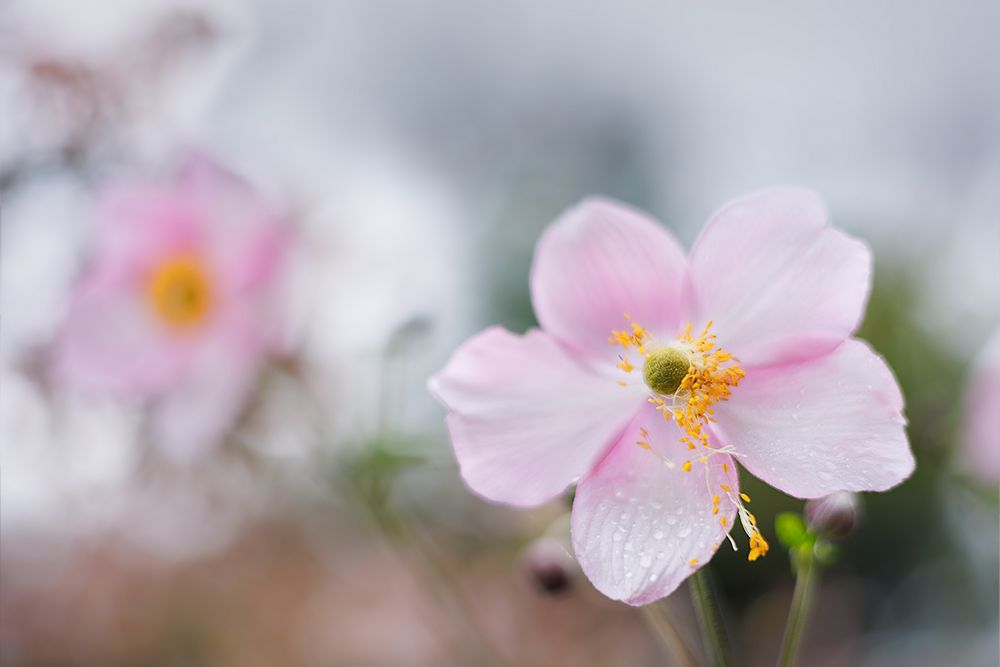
202 406
525 418
638 524
979 454
111 342
599 261
205 210
834 423
779 284
140 224
246 239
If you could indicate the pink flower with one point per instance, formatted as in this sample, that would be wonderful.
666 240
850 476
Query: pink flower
979 453
177 307
653 373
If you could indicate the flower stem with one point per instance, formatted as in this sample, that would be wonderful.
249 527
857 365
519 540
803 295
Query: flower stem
806 575
658 621
713 633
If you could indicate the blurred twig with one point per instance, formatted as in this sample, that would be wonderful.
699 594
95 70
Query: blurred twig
370 496
659 622
706 606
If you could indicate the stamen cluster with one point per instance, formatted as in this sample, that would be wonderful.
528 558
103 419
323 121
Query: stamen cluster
711 375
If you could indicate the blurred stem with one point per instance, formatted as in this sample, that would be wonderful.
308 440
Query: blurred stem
658 620
713 633
396 534
806 576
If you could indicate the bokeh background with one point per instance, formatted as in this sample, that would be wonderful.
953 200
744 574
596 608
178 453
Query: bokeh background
419 149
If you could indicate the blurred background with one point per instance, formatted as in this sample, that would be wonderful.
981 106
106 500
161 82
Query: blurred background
416 151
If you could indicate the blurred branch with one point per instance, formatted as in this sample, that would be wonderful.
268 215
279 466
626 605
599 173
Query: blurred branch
713 632
368 481
656 618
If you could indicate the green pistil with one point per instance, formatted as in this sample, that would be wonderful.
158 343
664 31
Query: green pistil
665 369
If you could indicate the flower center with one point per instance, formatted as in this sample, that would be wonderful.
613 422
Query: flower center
665 369
180 292
687 377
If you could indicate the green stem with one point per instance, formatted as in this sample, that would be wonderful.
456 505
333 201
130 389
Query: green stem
656 618
713 633
806 575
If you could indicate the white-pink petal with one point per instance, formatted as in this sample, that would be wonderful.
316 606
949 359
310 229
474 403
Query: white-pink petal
206 401
599 261
779 284
244 238
112 342
641 527
979 452
833 423
526 418
138 224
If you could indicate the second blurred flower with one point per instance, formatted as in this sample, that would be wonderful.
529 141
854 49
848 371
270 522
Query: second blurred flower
178 305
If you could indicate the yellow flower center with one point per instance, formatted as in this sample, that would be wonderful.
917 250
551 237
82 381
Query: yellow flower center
180 292
687 377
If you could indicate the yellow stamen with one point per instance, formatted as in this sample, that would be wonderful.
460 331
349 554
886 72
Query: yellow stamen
758 547
687 379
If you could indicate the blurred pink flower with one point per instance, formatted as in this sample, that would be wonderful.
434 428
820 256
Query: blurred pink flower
178 304
979 453
801 404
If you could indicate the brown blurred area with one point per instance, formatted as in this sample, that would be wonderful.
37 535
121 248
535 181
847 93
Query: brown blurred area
280 594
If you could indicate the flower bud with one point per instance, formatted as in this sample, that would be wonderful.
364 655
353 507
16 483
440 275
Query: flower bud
549 565
835 516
